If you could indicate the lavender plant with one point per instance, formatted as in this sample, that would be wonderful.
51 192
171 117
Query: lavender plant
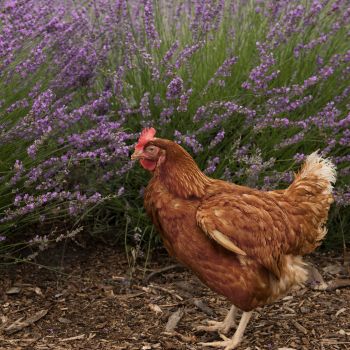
249 87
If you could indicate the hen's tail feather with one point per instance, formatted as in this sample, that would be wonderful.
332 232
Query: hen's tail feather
311 195
320 167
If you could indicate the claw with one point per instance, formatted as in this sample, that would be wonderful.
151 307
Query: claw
228 344
223 337
214 326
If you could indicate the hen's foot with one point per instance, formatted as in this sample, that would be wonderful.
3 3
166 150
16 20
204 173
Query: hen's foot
214 326
221 327
227 343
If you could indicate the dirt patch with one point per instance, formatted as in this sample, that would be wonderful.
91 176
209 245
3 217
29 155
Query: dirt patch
95 299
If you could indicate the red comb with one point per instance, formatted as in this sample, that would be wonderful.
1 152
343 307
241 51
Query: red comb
147 135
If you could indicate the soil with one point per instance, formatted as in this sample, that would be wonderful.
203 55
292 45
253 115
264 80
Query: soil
97 298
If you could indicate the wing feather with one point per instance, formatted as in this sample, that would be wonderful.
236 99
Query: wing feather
247 224
226 242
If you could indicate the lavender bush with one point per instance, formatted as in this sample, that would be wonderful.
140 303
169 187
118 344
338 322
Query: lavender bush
249 87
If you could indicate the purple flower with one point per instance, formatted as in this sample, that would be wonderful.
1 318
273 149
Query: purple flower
184 98
121 191
217 139
144 105
186 54
174 88
165 115
212 164
170 53
188 140
151 31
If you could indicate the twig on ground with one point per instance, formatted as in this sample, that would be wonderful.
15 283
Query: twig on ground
160 271
169 291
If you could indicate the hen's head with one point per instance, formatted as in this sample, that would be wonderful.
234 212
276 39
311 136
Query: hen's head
179 172
149 154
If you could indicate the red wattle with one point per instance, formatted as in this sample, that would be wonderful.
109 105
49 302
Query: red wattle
148 164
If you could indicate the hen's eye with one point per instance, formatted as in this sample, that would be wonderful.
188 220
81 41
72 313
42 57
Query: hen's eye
150 149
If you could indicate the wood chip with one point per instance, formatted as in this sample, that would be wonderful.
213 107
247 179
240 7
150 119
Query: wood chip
13 290
146 347
338 283
64 320
173 320
38 291
19 324
300 327
289 309
332 269
155 308
129 296
185 338
340 311
81 336
203 307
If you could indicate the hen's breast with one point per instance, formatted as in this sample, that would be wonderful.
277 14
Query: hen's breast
242 280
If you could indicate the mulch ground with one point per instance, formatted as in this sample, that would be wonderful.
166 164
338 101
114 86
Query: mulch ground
97 299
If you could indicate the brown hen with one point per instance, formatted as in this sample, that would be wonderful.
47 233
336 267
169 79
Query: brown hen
242 243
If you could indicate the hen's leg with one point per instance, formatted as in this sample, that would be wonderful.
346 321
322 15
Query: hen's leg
230 344
224 326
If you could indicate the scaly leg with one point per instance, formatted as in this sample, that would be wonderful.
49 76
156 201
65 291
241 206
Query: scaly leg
230 344
224 326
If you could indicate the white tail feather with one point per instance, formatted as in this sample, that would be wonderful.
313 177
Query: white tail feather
323 168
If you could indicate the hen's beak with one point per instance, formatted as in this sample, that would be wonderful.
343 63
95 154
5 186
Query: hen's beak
137 155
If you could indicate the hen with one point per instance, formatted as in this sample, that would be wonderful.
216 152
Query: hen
243 243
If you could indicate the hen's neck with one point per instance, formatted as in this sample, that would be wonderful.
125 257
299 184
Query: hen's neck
183 178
